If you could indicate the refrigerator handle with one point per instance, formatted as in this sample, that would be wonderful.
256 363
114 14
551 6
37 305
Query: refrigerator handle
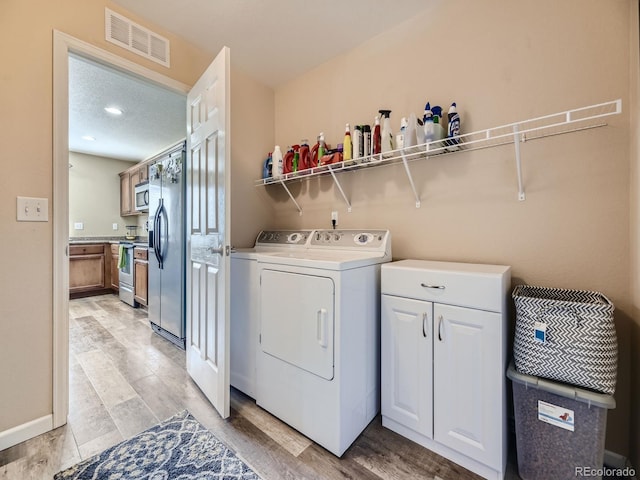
163 236
156 234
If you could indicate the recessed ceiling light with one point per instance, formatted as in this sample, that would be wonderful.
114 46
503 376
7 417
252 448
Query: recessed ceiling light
88 138
113 110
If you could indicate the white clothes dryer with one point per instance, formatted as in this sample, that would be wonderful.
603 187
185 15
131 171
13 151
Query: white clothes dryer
318 365
245 291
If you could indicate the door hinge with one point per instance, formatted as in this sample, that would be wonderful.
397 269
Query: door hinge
260 339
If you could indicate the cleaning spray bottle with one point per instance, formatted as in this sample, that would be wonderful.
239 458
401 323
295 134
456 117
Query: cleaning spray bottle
376 146
386 135
453 128
277 162
410 132
429 132
346 144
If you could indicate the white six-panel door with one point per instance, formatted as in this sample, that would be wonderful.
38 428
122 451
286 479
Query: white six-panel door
208 239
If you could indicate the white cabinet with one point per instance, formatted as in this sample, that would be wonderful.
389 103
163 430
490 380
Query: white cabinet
444 359
407 352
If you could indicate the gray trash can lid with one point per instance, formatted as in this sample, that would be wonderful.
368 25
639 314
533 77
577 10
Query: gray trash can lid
562 389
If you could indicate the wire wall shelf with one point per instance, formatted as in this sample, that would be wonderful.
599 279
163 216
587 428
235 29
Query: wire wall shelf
575 120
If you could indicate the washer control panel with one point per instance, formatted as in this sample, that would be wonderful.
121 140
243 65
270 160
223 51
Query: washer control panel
283 237
369 239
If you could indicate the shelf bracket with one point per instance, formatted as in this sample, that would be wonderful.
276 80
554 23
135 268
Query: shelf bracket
284 185
516 143
413 186
335 179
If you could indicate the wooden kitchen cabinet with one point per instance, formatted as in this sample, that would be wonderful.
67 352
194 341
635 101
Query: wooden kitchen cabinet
141 275
128 181
115 271
126 194
89 272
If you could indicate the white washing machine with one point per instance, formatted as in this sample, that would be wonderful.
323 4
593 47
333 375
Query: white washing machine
245 292
318 366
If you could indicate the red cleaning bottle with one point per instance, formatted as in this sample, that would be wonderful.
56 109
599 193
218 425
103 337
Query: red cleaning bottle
305 155
376 142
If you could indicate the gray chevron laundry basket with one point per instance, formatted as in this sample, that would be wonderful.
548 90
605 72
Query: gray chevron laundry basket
566 335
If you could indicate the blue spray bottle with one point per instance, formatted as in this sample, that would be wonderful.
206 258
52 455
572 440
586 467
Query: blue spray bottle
429 131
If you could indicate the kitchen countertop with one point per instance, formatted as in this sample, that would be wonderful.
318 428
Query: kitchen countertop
138 242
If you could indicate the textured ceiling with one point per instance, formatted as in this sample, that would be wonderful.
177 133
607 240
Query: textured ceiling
153 117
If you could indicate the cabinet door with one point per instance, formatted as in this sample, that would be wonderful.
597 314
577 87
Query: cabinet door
125 194
468 380
407 363
141 269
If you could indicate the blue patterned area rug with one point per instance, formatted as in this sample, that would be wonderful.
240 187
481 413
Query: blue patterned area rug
178 448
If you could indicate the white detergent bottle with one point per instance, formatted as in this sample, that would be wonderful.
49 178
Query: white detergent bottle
277 163
410 138
437 126
400 135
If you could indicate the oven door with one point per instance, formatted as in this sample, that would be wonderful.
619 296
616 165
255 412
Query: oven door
125 268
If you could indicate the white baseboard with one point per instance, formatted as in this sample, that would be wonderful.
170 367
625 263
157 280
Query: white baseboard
23 432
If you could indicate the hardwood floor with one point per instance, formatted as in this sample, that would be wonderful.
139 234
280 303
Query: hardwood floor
124 378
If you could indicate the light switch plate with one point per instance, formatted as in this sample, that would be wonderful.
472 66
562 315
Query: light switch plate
31 209
115 226
78 226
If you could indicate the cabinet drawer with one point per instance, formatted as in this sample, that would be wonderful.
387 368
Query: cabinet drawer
477 286
140 253
85 249
115 249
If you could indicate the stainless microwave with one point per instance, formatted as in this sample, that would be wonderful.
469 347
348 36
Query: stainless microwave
141 197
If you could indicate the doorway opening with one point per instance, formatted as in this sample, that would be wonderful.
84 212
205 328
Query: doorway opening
66 50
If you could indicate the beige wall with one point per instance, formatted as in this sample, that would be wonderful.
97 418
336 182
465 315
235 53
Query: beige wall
94 196
501 62
252 133
26 133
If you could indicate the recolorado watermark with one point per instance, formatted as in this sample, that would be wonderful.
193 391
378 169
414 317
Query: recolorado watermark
605 472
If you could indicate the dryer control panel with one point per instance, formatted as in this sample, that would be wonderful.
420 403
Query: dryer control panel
283 237
350 239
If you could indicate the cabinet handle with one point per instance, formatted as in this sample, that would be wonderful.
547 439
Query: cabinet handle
440 327
424 324
439 287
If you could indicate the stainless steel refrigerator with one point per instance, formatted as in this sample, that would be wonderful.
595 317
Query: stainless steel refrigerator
167 245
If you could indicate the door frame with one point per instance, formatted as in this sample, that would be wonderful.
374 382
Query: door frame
63 45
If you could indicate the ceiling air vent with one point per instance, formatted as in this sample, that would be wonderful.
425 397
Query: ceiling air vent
135 38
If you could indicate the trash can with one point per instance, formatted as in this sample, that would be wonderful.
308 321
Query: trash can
560 428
